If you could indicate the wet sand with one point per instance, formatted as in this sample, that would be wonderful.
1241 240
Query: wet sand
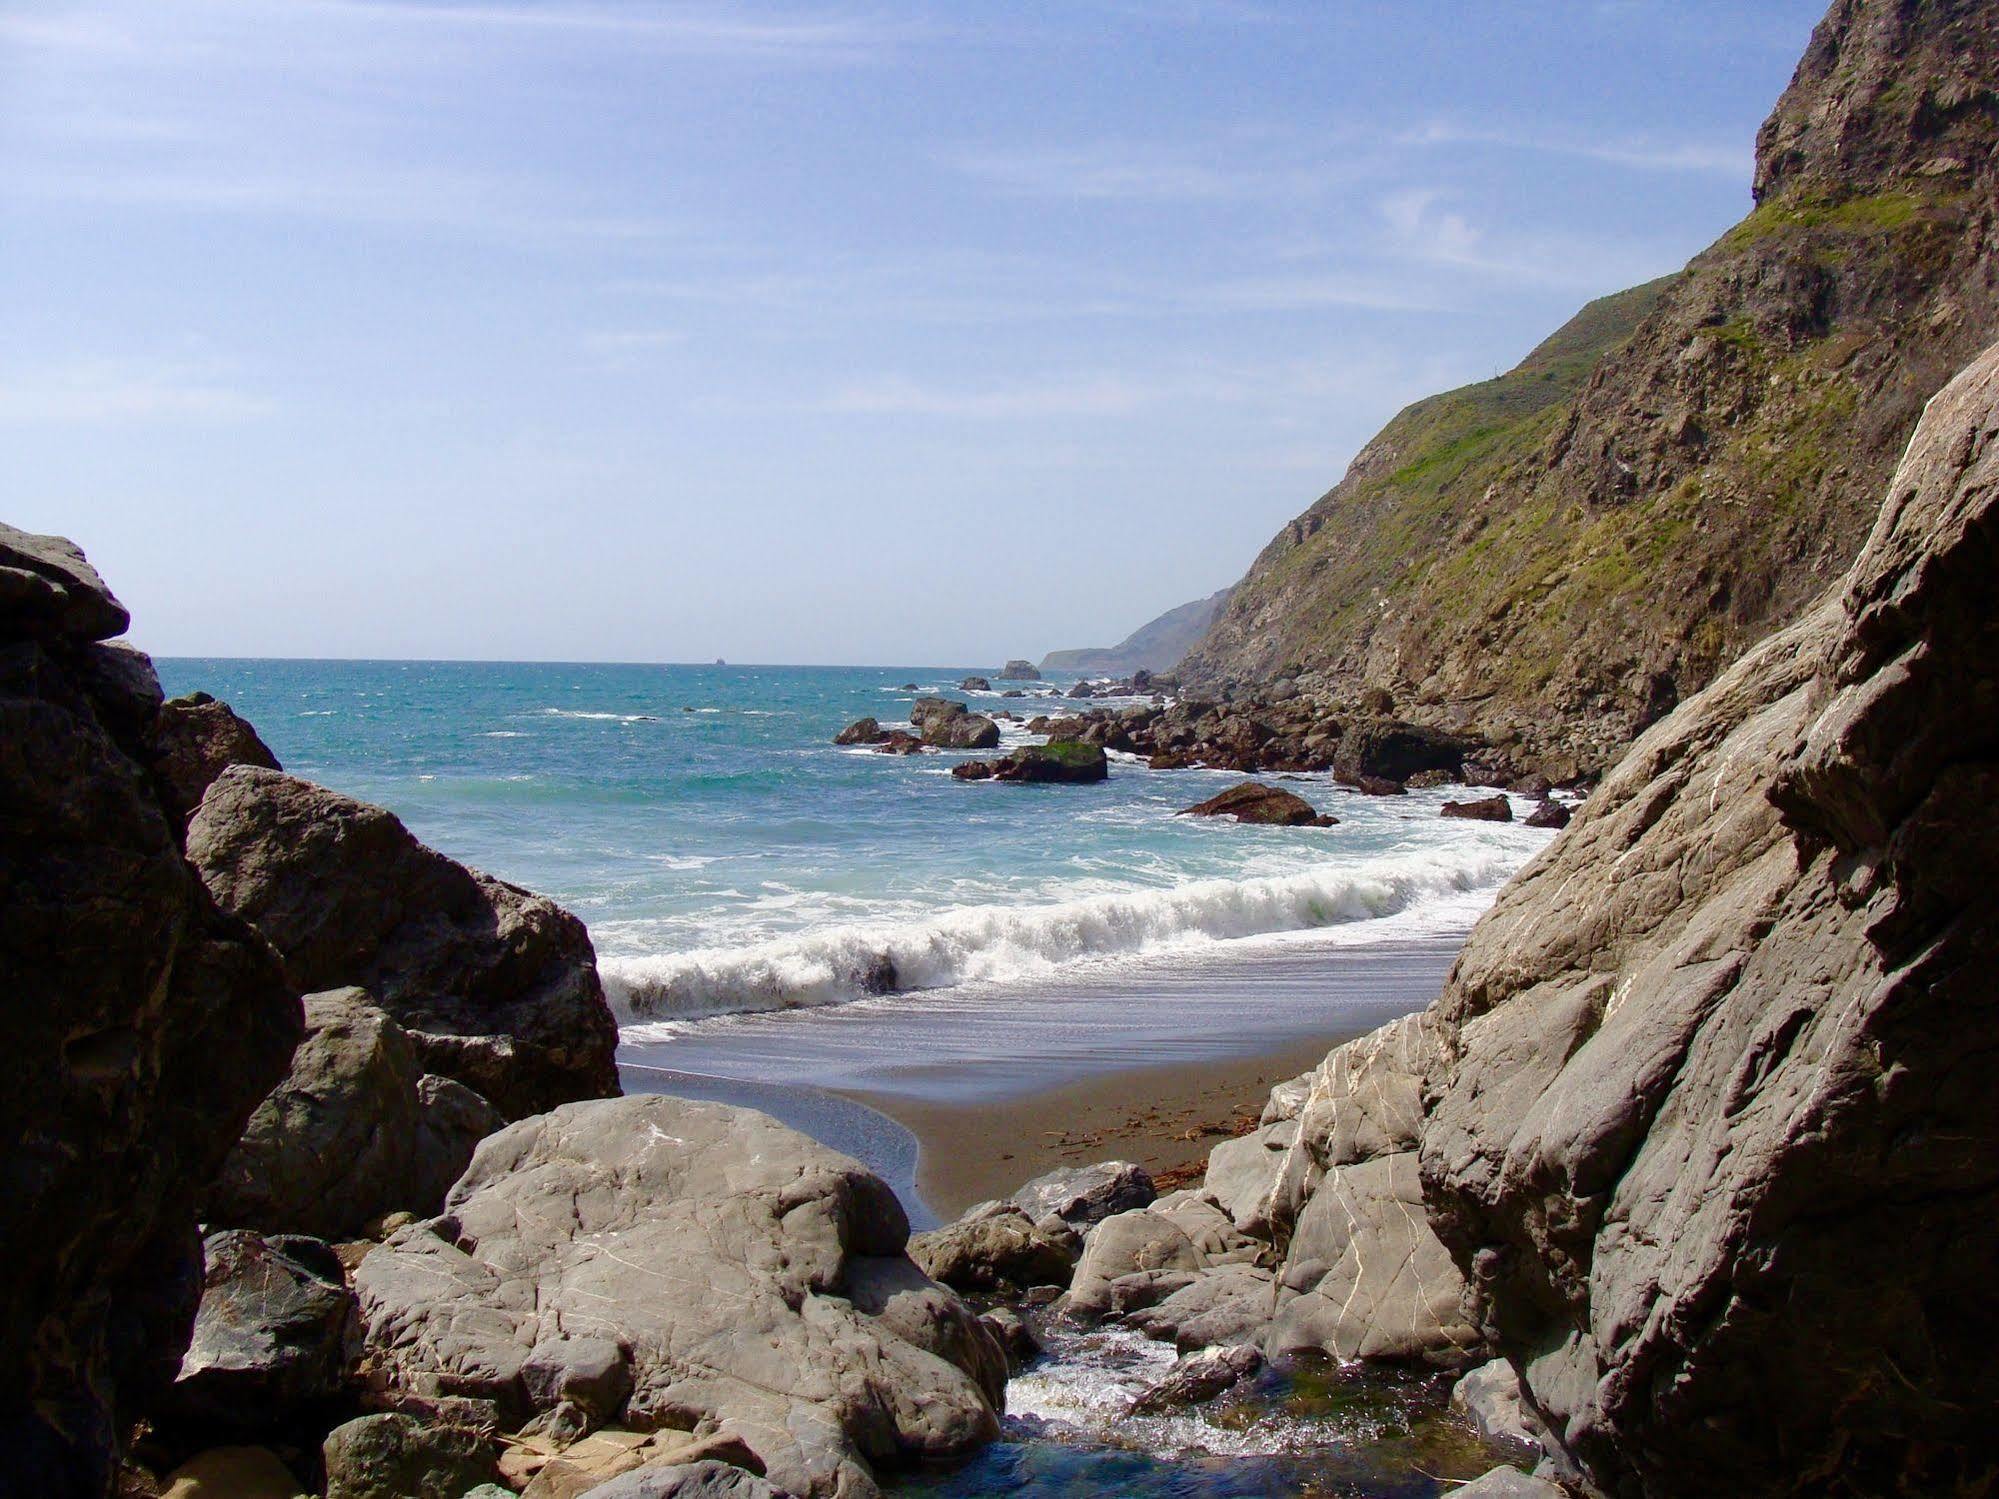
1166 1118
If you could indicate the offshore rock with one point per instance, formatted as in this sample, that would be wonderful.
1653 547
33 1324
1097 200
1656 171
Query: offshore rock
757 1280
1713 1132
496 986
1252 801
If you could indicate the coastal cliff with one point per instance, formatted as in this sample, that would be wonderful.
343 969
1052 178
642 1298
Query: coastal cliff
1154 646
1550 560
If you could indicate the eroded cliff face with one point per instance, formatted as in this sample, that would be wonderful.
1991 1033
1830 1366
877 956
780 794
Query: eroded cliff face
142 1027
1713 1135
1553 559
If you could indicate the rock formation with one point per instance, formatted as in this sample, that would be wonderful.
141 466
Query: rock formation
1553 558
1714 1137
143 1025
496 987
1252 801
746 1277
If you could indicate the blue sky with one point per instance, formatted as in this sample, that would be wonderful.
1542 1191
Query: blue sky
886 333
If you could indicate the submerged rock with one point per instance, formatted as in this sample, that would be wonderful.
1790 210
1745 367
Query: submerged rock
1197 1378
757 1281
496 986
1254 802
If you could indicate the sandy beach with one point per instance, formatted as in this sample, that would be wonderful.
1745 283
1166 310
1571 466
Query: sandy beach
1166 1118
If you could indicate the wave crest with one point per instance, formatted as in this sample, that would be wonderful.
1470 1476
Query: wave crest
1000 942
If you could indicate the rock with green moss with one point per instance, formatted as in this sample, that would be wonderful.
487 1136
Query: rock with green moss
1062 760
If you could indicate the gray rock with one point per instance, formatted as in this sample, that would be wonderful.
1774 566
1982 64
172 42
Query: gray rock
1222 1306
1393 750
594 1374
1015 1338
757 1279
1715 1130
356 1131
496 986
1246 1175
964 731
1510 1483
1083 1196
274 1335
686 1481
398 1457
1489 1397
48 587
1197 1378
994 1245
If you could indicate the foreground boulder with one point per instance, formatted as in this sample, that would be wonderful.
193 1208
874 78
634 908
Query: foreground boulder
1083 1196
1715 1136
755 1280
194 739
356 1131
273 1338
993 1246
496 986
1253 801
143 1025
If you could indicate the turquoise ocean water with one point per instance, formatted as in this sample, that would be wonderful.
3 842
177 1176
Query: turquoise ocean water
730 860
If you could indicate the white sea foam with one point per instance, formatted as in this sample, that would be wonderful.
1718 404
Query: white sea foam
602 717
996 943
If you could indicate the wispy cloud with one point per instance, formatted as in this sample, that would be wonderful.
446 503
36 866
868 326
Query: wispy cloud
1126 171
97 392
1729 160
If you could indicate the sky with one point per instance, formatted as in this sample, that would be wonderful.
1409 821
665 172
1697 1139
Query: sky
887 333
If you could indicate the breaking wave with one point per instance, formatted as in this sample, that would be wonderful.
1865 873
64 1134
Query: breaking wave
1004 942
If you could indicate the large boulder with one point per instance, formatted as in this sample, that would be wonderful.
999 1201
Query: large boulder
963 731
1058 761
143 1025
1253 801
1714 1134
1020 671
496 986
391 1456
993 1246
357 1130
194 739
1393 750
273 1339
1083 1196
757 1281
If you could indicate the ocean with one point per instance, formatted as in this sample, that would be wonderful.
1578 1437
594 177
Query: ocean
729 860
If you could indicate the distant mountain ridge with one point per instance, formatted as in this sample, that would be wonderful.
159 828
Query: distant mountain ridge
1155 646
1552 559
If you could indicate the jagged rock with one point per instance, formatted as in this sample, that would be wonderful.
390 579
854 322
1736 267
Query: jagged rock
398 1457
1549 815
1679 469
142 1027
1059 761
706 1480
1714 1132
194 739
496 986
861 731
1245 1175
1015 1338
1489 1398
273 1338
1486 809
1254 802
926 710
757 1280
1083 1196
993 1245
963 731
233 1473
594 1374
356 1131
975 684
48 590
1388 749
1198 1378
